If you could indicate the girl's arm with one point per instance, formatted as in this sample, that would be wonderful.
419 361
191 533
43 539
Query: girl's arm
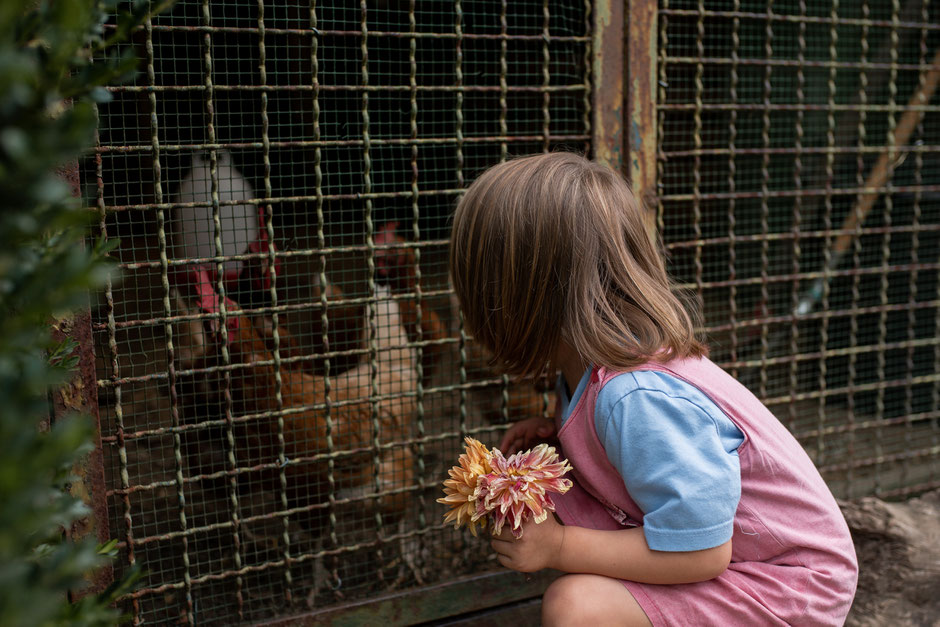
621 554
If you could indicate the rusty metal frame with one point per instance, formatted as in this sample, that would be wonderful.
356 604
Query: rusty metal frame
624 87
607 82
640 98
80 395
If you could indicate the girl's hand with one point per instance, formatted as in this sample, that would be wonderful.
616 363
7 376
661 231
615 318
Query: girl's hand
522 434
538 548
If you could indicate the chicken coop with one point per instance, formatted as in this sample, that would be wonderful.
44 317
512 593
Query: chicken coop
279 370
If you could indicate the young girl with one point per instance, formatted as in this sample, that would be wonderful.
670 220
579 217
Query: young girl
691 503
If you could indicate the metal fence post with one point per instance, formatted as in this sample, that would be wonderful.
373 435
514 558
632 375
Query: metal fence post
607 73
640 97
80 394
624 91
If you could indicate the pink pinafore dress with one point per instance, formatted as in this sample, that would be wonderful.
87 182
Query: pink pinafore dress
792 562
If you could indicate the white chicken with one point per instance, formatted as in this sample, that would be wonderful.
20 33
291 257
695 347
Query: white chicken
242 226
195 228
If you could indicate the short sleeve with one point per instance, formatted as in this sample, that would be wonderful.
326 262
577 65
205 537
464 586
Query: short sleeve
677 453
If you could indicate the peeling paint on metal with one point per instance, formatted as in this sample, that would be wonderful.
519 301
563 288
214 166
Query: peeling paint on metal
641 100
608 82
80 395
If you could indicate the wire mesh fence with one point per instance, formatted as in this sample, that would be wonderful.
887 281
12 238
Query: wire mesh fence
798 178
283 378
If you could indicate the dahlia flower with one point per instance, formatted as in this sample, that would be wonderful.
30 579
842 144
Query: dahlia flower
487 486
460 489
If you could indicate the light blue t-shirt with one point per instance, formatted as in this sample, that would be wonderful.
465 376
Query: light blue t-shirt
676 451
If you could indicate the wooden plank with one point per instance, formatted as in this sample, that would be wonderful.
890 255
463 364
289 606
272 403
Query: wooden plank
501 590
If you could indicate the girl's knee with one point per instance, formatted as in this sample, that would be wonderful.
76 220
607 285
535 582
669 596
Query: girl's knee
560 600
590 600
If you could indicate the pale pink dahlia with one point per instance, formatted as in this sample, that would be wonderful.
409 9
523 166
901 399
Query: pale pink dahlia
519 487
460 489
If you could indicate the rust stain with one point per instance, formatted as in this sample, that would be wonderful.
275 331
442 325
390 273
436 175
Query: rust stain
70 396
641 102
70 175
79 395
607 80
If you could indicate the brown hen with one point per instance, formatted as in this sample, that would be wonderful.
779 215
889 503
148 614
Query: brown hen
343 435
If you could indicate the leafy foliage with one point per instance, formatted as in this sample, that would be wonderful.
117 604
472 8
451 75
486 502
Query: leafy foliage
55 58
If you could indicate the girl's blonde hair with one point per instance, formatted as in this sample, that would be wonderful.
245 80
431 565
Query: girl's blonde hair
552 247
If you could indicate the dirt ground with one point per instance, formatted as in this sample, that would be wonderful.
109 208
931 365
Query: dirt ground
898 547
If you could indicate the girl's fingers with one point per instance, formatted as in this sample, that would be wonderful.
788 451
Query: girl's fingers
510 442
503 551
504 536
502 542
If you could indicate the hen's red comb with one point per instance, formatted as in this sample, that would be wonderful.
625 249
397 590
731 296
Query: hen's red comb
386 233
197 283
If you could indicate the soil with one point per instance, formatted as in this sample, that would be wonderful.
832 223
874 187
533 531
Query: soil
898 548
